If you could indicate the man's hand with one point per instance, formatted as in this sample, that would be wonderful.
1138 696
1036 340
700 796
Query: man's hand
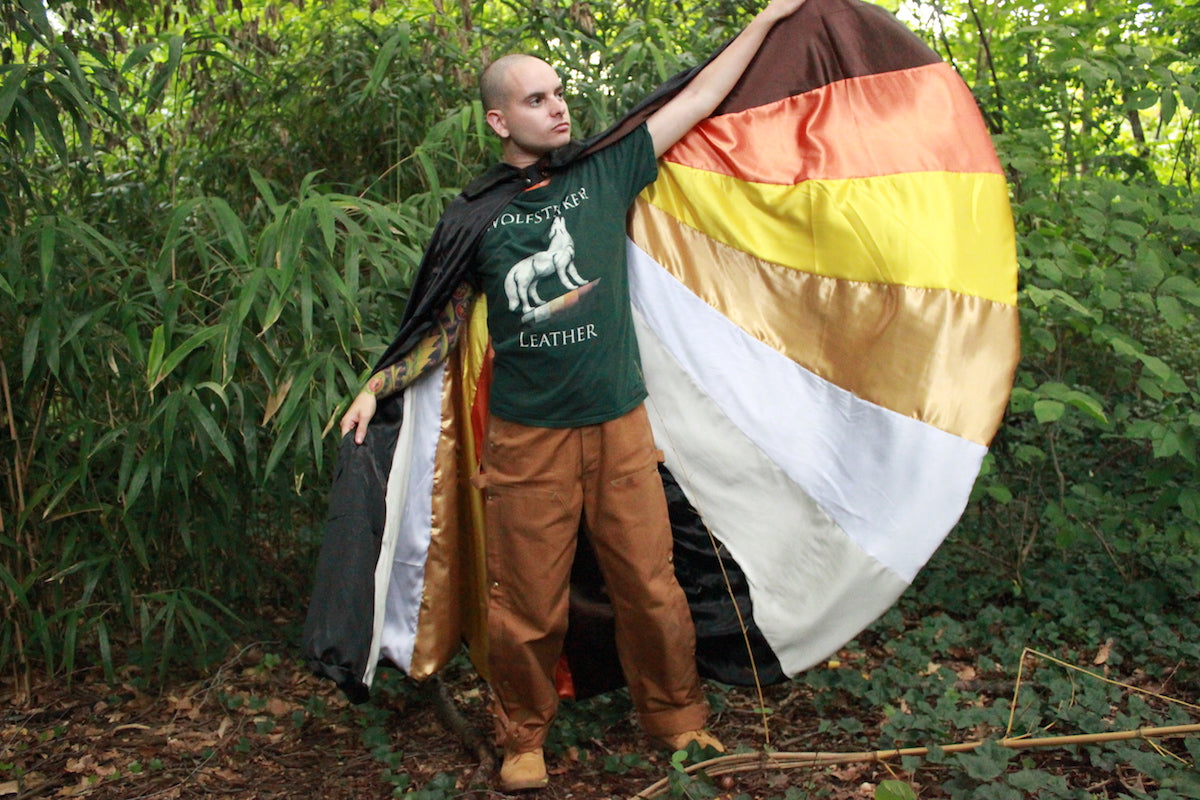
708 88
778 9
359 414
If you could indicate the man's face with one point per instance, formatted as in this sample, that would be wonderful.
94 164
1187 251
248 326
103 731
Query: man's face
534 119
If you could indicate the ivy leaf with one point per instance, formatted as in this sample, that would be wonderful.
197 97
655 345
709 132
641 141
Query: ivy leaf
987 762
1189 503
1032 782
1047 411
1181 287
1087 405
1001 494
1130 229
1173 313
894 790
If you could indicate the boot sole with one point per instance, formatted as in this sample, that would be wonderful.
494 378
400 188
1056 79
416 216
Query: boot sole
524 786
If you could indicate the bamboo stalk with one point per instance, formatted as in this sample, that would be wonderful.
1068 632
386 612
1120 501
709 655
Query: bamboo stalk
746 762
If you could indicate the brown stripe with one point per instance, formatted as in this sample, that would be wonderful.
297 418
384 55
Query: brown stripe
823 42
941 357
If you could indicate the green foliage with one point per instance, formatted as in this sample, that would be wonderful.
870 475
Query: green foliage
210 222
1079 653
894 790
588 720
172 363
1093 111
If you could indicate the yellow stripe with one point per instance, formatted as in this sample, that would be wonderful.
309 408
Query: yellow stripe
932 230
946 359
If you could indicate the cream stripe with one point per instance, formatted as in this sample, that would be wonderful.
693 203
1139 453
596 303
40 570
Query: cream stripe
933 230
408 522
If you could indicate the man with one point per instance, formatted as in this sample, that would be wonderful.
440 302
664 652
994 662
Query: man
568 437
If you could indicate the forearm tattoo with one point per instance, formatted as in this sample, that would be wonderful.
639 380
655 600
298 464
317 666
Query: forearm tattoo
429 351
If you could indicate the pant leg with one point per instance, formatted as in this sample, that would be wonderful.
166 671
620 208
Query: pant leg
626 513
533 505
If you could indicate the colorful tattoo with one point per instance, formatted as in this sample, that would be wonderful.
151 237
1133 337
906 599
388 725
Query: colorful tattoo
428 352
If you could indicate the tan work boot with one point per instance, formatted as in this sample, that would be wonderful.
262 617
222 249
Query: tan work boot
680 741
523 771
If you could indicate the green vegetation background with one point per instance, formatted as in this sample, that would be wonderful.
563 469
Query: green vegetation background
211 210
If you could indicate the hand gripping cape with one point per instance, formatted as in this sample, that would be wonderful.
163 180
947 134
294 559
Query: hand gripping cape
824 283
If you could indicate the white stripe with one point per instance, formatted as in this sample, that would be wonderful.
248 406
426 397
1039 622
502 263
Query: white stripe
895 485
812 588
400 572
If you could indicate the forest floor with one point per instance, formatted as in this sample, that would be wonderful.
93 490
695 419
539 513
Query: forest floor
260 726
255 724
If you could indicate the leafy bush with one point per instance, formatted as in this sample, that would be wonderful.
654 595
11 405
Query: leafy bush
210 221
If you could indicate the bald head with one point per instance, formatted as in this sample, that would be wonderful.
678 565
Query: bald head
494 86
524 104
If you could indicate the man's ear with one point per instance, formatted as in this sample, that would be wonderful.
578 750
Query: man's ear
495 119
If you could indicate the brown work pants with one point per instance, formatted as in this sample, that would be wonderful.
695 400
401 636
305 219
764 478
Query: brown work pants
538 482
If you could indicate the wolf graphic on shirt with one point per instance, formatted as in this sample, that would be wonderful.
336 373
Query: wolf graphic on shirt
557 259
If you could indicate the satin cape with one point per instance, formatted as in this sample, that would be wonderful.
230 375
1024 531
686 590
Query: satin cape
824 285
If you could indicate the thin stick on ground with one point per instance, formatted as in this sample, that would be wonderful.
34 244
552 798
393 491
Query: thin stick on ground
747 762
472 739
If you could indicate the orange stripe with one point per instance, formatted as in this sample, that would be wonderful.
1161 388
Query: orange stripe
915 120
944 358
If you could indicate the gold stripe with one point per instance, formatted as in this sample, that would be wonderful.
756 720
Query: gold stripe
931 230
944 358
454 604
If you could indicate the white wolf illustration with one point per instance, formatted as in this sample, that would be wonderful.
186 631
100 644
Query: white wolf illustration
521 283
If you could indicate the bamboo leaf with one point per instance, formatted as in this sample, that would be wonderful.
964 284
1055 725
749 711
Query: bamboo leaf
275 400
14 78
104 645
171 362
202 417
37 13
264 190
169 408
383 61
138 55
137 481
325 219
46 247
290 418
79 88
165 72
231 228
427 167
306 306
158 345
29 350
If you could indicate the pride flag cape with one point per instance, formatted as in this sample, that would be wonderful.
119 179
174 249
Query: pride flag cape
824 284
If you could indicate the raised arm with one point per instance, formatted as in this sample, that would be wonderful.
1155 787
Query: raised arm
706 91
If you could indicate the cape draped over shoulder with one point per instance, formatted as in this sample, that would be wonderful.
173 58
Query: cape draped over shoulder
824 285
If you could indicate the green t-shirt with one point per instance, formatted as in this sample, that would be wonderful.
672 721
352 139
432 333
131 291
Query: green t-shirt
553 269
